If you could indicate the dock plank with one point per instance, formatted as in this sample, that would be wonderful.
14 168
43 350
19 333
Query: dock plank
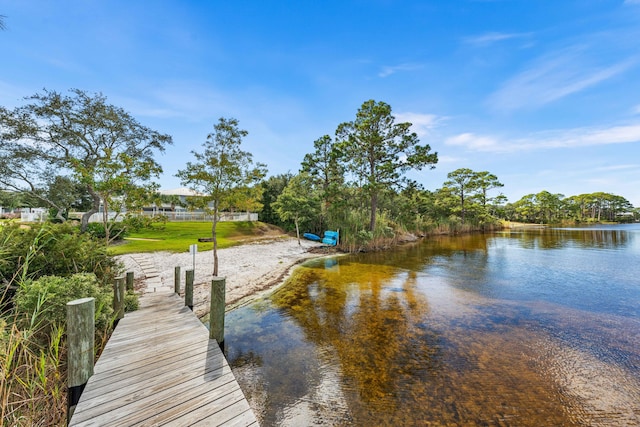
160 368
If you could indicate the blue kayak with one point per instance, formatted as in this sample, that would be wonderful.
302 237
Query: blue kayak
311 236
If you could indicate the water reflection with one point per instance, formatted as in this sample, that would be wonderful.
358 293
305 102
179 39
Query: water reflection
506 329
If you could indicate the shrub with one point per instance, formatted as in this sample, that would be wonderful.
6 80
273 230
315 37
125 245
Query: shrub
57 292
52 250
131 302
117 230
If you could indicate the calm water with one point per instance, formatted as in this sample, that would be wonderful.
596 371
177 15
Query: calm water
530 328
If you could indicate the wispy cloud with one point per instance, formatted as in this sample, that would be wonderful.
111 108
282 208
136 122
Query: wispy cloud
570 138
633 167
475 142
421 124
631 1
636 109
389 70
487 39
552 77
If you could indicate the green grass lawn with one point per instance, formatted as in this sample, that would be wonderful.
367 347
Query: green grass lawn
177 236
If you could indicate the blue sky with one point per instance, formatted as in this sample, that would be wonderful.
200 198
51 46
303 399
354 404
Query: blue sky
544 94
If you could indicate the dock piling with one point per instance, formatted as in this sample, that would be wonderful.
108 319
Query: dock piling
80 352
118 299
216 313
129 280
176 279
188 289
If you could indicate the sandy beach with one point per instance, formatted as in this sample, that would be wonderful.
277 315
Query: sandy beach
249 268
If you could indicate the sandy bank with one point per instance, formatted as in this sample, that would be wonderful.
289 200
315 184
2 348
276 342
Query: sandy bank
249 268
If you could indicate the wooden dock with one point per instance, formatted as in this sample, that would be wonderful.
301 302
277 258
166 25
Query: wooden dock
160 368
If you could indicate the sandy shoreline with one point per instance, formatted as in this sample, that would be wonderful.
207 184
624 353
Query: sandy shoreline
248 268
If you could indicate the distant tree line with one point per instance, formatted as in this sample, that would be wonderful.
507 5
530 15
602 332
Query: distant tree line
78 152
355 182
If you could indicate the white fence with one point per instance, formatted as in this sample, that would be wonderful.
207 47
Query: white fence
36 216
186 216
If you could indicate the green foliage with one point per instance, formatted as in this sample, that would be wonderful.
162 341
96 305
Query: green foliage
271 189
51 249
56 292
102 147
219 171
131 301
298 201
137 223
545 207
32 373
97 230
378 151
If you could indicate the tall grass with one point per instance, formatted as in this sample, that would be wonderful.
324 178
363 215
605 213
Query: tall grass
33 372
32 385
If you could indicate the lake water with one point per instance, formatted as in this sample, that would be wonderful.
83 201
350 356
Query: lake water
516 328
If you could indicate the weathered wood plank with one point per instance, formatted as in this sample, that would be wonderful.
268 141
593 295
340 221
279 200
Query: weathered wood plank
161 368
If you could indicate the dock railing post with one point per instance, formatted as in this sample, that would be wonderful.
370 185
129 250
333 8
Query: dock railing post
129 280
80 352
216 312
176 280
118 299
188 289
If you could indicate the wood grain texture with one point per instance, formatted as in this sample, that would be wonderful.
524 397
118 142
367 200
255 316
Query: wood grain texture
160 368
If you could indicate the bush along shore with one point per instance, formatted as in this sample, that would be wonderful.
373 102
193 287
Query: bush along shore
42 267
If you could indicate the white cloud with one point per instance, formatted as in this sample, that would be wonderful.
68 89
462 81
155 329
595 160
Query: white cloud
493 37
421 124
552 77
570 138
617 168
474 142
389 70
631 1
636 109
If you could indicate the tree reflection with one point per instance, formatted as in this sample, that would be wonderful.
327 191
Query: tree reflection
374 319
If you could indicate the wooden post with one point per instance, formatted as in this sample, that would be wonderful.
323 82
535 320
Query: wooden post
188 289
216 313
176 280
129 280
118 299
80 351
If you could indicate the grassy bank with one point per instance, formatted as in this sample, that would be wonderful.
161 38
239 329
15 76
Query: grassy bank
177 236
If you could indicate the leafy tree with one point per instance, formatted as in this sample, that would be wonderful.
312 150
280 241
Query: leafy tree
272 187
463 183
486 181
550 206
63 194
298 201
378 151
219 170
248 198
327 172
100 145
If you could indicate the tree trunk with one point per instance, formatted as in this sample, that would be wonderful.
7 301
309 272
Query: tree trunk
462 205
84 222
105 221
374 208
297 231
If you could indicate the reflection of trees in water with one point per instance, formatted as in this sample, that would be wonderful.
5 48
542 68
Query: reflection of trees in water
558 238
376 330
